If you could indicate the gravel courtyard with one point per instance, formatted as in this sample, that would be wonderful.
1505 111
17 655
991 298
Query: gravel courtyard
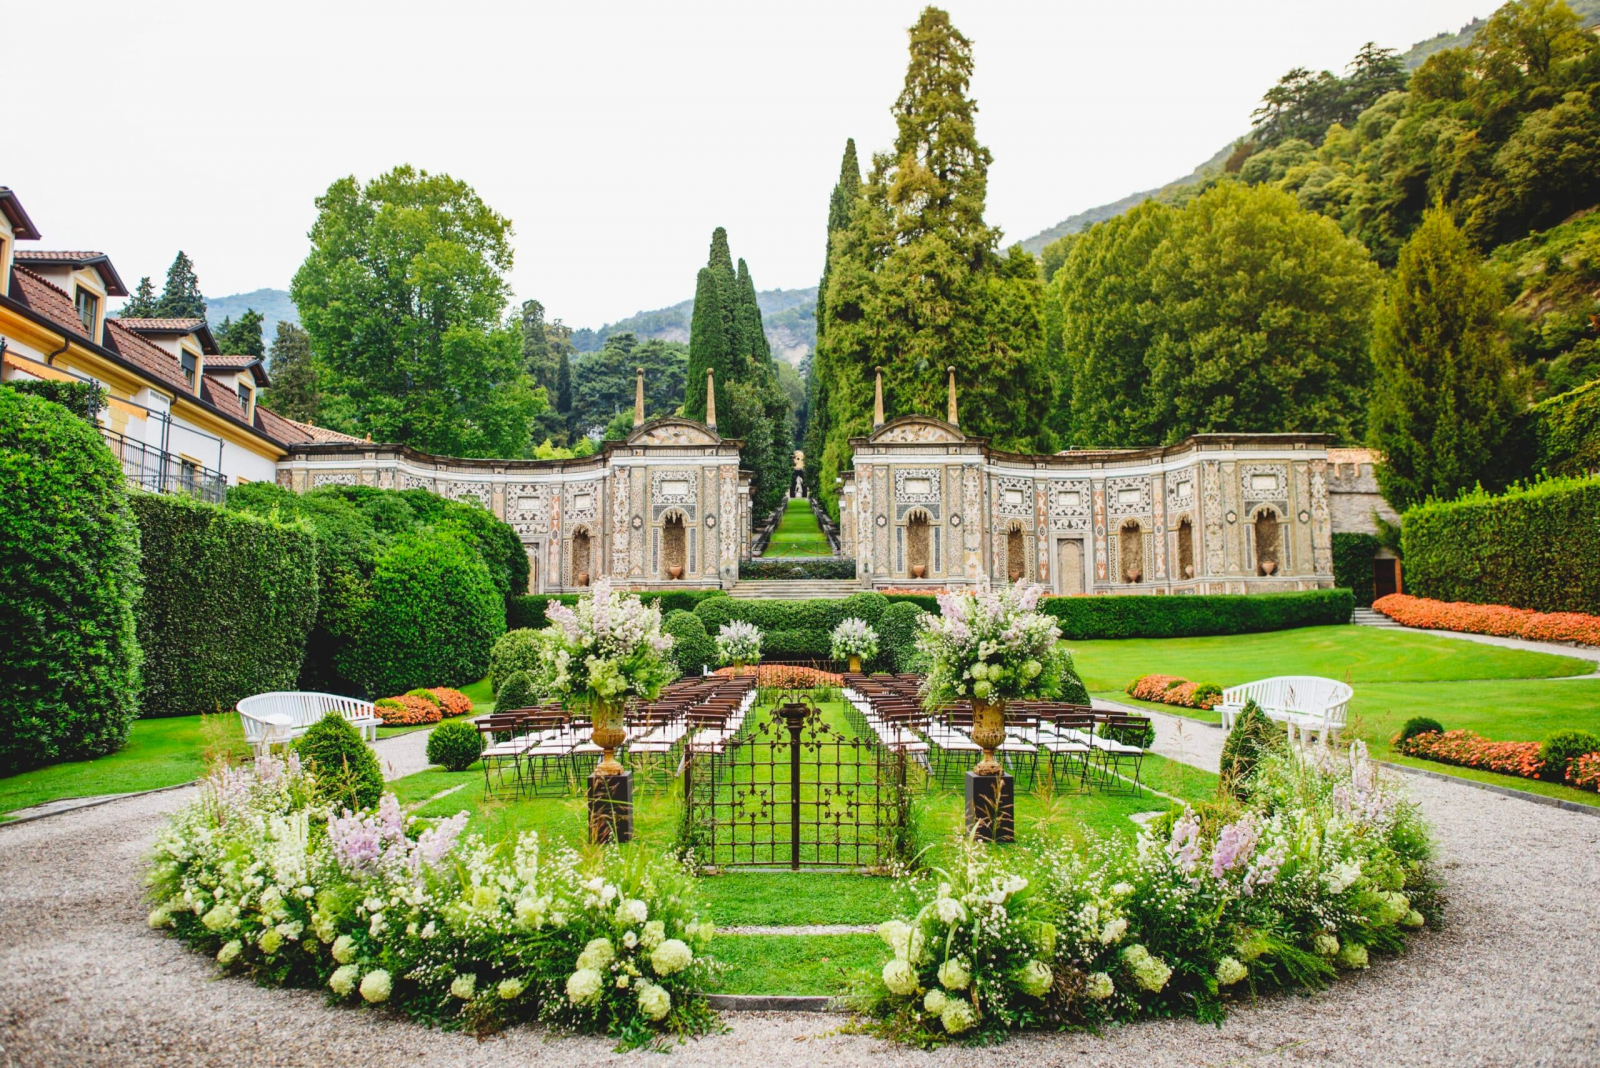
1514 980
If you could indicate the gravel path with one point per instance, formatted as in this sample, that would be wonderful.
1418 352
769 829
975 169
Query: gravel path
1512 980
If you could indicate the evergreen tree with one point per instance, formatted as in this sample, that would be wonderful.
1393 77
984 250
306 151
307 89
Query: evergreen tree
564 383
709 345
242 338
915 282
841 206
143 303
181 299
293 374
1443 401
536 352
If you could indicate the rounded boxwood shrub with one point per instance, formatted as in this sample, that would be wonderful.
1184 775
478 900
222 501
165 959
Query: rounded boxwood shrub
514 651
1252 737
516 692
867 606
455 745
1561 749
692 647
1419 725
67 590
345 768
432 616
897 635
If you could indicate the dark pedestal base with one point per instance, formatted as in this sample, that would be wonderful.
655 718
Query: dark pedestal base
611 808
992 807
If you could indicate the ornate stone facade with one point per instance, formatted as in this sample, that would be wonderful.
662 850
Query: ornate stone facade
1085 521
672 494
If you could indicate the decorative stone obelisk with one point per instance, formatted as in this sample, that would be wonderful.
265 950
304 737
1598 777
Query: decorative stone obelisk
950 416
877 399
638 396
711 398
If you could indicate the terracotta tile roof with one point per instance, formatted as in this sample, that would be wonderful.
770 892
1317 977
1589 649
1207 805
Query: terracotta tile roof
230 363
162 326
12 209
289 432
45 299
98 260
147 356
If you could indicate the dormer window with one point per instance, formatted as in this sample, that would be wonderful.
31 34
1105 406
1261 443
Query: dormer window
190 366
244 396
88 309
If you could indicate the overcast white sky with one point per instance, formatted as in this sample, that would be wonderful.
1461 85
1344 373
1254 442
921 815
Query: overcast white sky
614 135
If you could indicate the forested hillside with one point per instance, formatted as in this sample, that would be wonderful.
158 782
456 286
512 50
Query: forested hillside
787 314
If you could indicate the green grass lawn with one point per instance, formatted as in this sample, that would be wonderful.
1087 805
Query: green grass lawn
785 964
798 533
160 752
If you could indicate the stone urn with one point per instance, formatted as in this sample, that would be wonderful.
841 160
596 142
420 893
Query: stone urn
1013 575
1188 571
988 733
855 664
1268 566
1134 574
918 570
583 578
608 735
675 570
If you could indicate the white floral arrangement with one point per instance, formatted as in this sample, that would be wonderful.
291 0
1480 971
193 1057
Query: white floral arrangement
381 908
608 647
1324 867
854 637
739 642
992 645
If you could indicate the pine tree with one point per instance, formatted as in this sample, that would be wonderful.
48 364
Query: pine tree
915 282
536 352
142 305
293 373
243 337
181 298
564 383
1443 402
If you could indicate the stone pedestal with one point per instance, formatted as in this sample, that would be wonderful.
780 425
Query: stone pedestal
992 806
611 808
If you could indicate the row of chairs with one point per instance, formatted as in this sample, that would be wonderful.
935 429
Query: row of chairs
1099 749
547 750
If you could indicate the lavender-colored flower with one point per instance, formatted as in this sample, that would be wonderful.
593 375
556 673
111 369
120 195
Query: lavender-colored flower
1235 845
1263 871
1184 847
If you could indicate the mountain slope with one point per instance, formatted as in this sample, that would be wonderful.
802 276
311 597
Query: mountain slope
789 316
1588 12
273 304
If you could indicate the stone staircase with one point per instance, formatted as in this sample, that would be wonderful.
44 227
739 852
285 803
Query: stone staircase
793 589
1366 617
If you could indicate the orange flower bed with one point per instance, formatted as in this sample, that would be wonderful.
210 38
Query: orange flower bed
1469 749
1497 619
1584 772
1175 690
787 677
406 710
451 702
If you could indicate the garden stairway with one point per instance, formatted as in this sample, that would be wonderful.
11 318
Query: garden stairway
793 589
1366 617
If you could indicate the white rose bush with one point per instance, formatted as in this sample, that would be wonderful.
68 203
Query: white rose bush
1324 869
378 908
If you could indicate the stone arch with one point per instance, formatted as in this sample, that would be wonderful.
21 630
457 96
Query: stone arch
674 544
1130 552
919 543
582 558
1185 549
1268 542
1016 552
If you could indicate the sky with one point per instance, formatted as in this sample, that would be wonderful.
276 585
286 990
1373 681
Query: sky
614 135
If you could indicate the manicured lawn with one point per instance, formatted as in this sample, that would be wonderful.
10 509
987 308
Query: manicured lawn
1351 654
785 964
160 752
798 533
482 699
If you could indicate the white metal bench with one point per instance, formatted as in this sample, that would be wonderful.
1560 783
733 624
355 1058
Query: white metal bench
277 718
1304 704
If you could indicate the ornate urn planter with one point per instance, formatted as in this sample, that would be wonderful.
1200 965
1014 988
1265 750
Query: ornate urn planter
918 570
608 735
676 571
988 734
1268 567
855 664
583 578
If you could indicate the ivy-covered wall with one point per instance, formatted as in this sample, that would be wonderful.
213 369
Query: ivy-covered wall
1352 565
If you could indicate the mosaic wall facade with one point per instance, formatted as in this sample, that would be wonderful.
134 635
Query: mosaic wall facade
1217 513
666 508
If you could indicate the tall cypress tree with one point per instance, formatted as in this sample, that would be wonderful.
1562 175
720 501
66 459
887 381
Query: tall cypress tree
181 299
841 204
536 354
293 373
142 305
564 383
1443 399
709 345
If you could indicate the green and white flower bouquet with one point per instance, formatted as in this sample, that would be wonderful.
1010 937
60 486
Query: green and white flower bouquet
739 643
992 645
854 640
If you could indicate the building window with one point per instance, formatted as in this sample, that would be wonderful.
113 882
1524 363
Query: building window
190 365
244 396
88 309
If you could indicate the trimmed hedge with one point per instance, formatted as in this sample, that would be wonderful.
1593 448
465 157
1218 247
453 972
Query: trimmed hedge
346 770
926 601
432 616
692 647
897 635
821 614
1534 546
68 587
1144 616
229 599
455 746
527 611
1352 565
1566 431
815 567
83 399
515 650
679 600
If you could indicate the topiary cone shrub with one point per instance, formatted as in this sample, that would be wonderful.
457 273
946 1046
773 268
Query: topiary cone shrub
346 770
68 587
1252 737
1418 725
514 651
516 692
455 745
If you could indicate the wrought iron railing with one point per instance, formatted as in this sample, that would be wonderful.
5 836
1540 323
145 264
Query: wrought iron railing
162 472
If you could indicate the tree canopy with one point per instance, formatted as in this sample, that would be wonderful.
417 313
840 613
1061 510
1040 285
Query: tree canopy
242 338
293 374
404 297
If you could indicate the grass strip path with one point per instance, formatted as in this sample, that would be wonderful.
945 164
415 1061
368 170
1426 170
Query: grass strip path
798 533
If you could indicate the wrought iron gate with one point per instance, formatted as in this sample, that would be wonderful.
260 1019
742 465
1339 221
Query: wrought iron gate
793 790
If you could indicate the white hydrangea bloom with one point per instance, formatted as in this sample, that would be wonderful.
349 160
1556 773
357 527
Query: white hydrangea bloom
376 986
464 986
1230 971
583 986
900 977
673 955
654 1001
957 1016
1099 986
597 954
343 979
953 975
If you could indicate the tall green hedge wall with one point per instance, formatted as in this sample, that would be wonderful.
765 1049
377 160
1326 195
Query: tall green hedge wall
83 399
528 609
1566 432
228 602
69 651
1535 546
1084 618
1352 565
